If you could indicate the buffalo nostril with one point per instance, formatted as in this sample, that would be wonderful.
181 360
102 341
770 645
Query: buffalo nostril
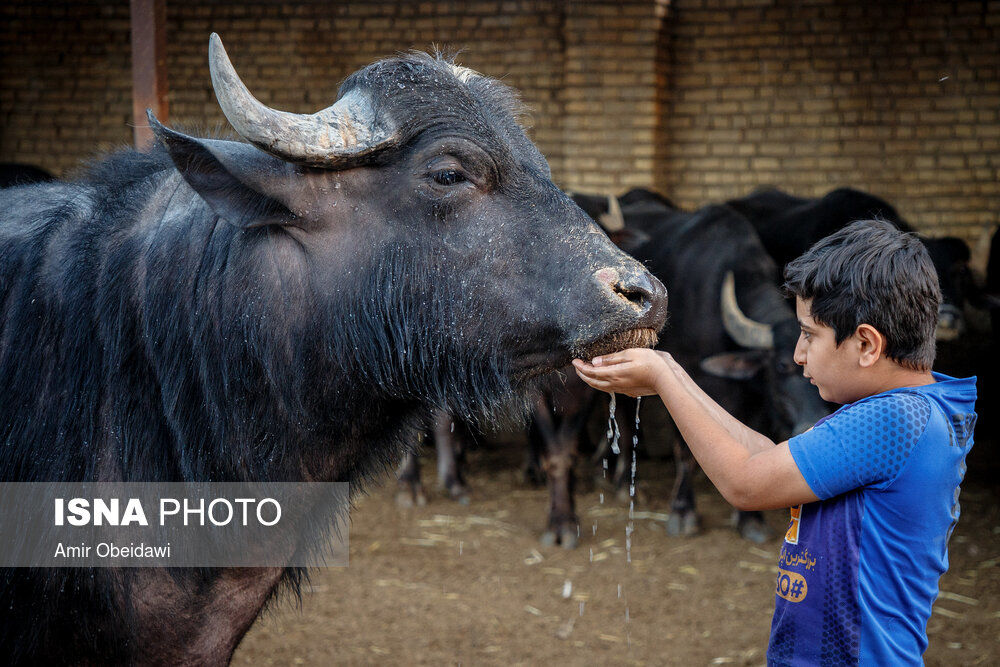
637 289
640 290
636 296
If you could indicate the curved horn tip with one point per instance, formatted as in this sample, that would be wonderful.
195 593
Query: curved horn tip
613 220
742 329
216 51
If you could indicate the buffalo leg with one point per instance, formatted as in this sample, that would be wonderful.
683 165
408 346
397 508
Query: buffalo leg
451 437
558 448
532 467
683 519
557 462
409 490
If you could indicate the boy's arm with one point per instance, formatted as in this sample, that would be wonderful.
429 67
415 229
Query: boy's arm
749 470
758 479
752 440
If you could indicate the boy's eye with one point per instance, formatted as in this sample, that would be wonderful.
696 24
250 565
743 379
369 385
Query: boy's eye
448 177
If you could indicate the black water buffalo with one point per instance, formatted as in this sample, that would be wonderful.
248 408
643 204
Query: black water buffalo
789 225
285 309
730 326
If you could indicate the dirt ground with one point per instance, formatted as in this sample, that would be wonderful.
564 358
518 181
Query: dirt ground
454 584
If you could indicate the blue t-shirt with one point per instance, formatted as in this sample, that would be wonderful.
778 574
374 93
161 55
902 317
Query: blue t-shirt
859 569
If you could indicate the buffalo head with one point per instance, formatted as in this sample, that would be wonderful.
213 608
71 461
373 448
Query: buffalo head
412 234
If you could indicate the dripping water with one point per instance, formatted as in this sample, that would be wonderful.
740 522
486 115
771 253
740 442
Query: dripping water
630 528
613 432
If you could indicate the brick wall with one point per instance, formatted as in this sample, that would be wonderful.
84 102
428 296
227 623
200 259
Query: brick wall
898 98
65 81
701 99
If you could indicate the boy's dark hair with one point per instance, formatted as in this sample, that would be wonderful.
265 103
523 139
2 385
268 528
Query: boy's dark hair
872 273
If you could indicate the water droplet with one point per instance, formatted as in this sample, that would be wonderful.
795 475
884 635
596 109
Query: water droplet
613 432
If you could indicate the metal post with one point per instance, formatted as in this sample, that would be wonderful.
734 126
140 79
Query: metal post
149 66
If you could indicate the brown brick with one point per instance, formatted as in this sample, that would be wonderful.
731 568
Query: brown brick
810 93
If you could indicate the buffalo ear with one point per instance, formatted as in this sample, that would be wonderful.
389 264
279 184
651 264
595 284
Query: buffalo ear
735 365
230 176
628 238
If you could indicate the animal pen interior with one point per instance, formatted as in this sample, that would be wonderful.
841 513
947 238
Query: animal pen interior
702 101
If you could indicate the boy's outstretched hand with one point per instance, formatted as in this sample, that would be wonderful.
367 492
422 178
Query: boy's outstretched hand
636 372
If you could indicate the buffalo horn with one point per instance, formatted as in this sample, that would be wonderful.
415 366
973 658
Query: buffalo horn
332 138
742 329
613 220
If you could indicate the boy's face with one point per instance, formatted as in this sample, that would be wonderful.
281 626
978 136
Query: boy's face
830 367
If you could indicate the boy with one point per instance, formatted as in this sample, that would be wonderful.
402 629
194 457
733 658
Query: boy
874 487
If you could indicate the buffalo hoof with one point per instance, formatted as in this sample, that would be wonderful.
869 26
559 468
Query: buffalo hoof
754 529
457 492
683 524
408 496
567 539
566 535
461 496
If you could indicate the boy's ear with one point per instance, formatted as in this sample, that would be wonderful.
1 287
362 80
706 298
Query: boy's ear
233 178
871 345
735 365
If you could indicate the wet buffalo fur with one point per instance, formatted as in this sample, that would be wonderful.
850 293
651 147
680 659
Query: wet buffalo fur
170 352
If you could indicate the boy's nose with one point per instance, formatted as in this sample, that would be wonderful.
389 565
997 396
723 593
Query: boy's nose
799 356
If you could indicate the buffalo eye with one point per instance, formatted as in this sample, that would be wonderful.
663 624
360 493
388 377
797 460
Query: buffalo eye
448 177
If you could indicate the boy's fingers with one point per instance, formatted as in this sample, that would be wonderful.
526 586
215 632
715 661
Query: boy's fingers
602 372
610 359
595 383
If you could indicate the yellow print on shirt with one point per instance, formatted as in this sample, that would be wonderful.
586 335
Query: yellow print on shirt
790 559
792 536
791 586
